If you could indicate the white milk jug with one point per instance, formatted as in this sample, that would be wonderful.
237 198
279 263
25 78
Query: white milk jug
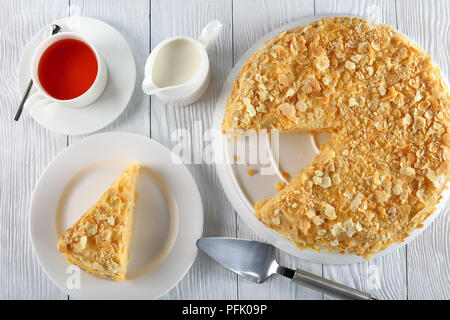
178 70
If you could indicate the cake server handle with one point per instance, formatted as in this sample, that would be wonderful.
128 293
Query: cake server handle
328 287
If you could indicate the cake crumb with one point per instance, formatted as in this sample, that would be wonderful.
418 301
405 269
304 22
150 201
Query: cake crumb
279 185
286 175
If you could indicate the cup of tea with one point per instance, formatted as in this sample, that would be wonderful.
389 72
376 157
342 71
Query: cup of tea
66 68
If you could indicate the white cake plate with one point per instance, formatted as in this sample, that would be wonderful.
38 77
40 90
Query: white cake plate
297 151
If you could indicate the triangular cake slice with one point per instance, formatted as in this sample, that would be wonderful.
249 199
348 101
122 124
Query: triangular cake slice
99 241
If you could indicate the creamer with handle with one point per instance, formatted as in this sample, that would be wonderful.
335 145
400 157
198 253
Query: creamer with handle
177 70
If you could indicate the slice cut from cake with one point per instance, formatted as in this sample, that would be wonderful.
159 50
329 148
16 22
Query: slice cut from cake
99 241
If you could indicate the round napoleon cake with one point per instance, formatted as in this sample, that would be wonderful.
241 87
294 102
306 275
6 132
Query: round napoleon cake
385 104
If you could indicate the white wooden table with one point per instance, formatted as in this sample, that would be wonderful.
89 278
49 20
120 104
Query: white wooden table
421 270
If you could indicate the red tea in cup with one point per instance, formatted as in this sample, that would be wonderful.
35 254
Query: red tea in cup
67 69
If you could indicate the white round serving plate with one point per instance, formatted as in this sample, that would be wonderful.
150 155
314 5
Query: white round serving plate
168 214
297 151
121 80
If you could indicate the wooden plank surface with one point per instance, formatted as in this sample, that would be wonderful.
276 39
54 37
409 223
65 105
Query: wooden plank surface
419 271
25 150
428 23
206 279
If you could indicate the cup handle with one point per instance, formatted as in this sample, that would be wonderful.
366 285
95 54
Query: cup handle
35 99
210 33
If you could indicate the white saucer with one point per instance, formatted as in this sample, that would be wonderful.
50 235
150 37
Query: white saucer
297 151
168 214
121 80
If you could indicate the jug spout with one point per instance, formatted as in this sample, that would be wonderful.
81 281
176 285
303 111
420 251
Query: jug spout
149 87
175 91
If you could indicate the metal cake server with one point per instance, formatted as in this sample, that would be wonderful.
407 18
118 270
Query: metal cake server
256 261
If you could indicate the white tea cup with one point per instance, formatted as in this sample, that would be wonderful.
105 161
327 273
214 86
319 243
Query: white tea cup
191 57
86 98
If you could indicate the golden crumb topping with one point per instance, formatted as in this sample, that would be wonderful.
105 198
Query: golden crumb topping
386 105
99 241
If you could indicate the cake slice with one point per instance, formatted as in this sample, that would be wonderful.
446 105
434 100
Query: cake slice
99 241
